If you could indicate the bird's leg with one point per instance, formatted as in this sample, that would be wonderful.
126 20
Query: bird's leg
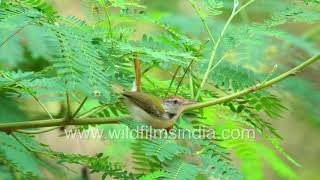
168 129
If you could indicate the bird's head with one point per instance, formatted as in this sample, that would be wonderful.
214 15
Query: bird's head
173 104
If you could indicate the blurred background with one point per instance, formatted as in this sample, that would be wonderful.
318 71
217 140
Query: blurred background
299 125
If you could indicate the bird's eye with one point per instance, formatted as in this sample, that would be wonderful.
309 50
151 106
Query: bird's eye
175 101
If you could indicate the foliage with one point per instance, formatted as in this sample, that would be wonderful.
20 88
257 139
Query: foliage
16 157
162 149
96 163
51 58
311 1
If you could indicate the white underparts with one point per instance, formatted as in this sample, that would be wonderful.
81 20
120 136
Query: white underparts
139 114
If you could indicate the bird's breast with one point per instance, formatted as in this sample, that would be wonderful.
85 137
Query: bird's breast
139 114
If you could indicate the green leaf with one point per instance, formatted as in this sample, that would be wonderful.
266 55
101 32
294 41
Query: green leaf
180 170
153 176
18 156
162 149
10 111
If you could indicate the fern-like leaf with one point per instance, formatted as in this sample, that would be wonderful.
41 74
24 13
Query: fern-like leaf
14 153
97 163
180 170
163 149
234 77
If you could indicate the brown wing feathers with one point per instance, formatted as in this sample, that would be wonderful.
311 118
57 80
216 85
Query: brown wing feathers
145 102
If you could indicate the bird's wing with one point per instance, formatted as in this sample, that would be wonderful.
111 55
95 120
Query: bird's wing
154 107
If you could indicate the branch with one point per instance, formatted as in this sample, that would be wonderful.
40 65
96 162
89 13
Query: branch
203 21
260 86
216 45
9 127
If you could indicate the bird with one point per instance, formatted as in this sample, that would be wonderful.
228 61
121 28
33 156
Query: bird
156 112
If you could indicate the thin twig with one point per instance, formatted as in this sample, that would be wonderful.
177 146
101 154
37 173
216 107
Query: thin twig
40 131
203 21
213 53
220 60
30 149
172 79
313 33
108 19
29 92
92 111
20 29
244 15
19 141
69 113
270 74
184 74
80 106
147 69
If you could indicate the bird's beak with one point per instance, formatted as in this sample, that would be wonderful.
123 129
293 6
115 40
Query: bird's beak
188 102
